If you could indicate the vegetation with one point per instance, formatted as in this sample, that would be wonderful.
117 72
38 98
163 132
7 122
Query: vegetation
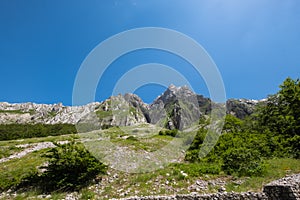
21 131
272 131
70 167
17 111
13 172
281 116
103 114
253 151
168 132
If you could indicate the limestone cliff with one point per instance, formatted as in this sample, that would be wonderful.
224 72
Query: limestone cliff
177 107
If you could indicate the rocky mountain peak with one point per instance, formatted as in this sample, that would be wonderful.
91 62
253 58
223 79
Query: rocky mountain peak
177 107
172 93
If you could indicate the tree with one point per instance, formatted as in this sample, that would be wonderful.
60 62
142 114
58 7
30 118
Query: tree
70 167
281 115
282 111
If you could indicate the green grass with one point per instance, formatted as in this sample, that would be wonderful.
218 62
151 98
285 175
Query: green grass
103 114
39 139
276 168
8 148
144 183
6 151
52 114
13 111
12 172
133 110
31 111
87 194
149 144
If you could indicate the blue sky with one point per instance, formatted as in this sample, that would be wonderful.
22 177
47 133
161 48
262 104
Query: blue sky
254 43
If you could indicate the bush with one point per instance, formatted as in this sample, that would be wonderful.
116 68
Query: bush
132 138
294 144
70 168
171 133
243 162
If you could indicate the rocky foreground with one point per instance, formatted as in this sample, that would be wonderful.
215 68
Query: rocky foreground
287 188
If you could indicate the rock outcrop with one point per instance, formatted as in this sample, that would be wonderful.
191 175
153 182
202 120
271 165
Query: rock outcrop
287 188
176 108
241 107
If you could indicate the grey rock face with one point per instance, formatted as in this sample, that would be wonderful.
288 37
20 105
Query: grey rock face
176 108
42 113
117 111
241 107
122 111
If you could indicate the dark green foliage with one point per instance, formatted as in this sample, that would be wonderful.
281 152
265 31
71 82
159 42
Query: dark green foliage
281 116
172 133
70 168
21 131
243 162
294 143
106 126
232 124
282 111
132 138
199 138
273 130
244 147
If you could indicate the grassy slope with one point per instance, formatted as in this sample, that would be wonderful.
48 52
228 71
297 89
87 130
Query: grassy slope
171 177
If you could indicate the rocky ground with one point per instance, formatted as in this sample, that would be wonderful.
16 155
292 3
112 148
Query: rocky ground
28 148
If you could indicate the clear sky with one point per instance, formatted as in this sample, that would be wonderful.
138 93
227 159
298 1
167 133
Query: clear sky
254 43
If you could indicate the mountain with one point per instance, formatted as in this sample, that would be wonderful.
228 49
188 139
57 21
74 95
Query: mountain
176 108
241 108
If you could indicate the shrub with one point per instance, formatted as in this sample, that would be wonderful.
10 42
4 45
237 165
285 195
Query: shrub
243 162
171 133
70 167
132 138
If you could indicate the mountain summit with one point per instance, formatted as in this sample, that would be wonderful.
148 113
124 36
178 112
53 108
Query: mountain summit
176 108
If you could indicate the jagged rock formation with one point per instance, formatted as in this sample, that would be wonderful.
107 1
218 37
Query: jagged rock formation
42 113
115 111
177 107
121 111
241 107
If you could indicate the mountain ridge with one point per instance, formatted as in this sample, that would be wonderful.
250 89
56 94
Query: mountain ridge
175 108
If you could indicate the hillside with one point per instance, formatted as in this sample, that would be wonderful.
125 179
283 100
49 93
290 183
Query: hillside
128 148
